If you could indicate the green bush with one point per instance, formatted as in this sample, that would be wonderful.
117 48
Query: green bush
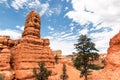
95 67
64 75
1 77
43 72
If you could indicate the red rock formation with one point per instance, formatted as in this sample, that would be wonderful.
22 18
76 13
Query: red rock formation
32 25
112 67
61 58
5 56
19 57
32 49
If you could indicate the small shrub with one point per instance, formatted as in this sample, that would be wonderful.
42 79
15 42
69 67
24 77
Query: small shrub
64 75
56 59
1 77
43 73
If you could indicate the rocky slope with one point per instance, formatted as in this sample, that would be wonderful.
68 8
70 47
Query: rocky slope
112 62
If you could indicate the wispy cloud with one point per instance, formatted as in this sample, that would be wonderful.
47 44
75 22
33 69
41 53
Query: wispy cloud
5 2
2 1
66 46
17 4
30 4
67 0
54 10
99 13
14 34
20 27
50 28
84 31
63 41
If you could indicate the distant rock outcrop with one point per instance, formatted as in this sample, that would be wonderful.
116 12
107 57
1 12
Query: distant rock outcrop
111 70
61 58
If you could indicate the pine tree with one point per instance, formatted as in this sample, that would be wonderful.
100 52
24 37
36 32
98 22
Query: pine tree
43 73
64 76
87 53
56 59
1 77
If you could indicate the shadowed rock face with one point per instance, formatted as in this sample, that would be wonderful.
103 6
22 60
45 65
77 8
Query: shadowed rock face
25 54
112 60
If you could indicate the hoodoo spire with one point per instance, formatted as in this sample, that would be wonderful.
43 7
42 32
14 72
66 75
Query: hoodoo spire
32 25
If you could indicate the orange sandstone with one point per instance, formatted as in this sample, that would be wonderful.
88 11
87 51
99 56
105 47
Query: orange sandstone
21 56
111 70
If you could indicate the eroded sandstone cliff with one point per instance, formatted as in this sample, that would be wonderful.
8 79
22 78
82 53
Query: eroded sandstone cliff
111 70
19 57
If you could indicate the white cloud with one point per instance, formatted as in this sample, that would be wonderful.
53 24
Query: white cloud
30 4
20 27
5 2
66 46
72 27
2 1
17 4
66 8
50 28
44 7
102 14
83 31
67 0
66 35
62 41
12 33
54 10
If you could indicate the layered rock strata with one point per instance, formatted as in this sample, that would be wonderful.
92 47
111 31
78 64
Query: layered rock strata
5 57
112 62
21 56
32 49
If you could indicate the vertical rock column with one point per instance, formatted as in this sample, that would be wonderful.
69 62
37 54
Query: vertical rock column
31 50
5 56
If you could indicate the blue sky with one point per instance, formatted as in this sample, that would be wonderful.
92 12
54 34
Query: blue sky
62 21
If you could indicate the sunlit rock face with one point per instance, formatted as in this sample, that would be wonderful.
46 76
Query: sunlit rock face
32 49
111 70
19 57
6 45
32 25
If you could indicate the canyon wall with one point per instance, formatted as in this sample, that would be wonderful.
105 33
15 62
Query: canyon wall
111 70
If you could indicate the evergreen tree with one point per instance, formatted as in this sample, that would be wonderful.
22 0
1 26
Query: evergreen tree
1 77
87 53
56 59
43 73
64 76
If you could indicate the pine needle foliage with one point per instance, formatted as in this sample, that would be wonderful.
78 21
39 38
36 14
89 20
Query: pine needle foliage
64 75
1 77
87 53
42 73
56 59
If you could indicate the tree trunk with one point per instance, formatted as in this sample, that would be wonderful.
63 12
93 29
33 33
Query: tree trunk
86 76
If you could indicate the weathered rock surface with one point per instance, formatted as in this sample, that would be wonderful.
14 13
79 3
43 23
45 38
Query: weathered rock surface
61 58
19 57
5 57
112 62
32 49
